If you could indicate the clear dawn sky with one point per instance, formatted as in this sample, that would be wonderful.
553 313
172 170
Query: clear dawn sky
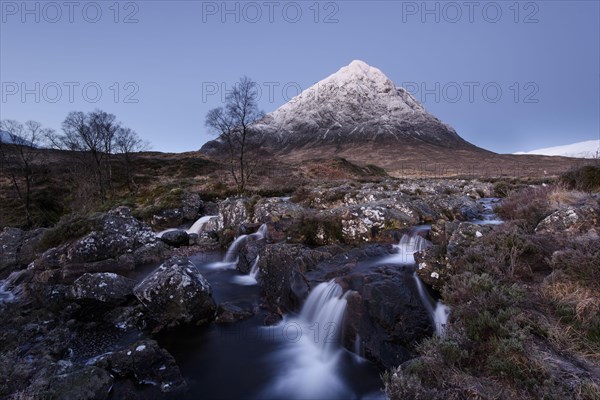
508 76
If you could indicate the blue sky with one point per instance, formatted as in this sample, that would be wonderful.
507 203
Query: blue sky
508 76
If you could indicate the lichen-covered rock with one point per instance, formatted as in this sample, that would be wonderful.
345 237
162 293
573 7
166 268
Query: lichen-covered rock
365 222
432 267
463 236
189 210
176 293
274 209
119 244
176 238
145 363
570 220
105 287
120 233
234 212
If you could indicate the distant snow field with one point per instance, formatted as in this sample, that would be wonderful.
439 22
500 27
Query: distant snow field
587 149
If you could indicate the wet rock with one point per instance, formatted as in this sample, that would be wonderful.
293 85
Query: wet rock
229 312
102 287
386 314
570 220
281 272
176 293
86 383
145 363
176 238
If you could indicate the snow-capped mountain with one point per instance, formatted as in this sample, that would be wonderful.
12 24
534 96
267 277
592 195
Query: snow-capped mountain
587 149
358 103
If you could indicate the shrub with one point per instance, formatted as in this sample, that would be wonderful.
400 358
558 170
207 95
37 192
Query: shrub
586 178
69 227
528 206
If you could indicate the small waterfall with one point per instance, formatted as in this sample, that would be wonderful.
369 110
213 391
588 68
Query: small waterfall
234 249
405 250
324 309
199 224
311 349
195 228
6 295
251 278
439 314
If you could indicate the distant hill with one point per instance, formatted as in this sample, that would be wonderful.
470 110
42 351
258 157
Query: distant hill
587 149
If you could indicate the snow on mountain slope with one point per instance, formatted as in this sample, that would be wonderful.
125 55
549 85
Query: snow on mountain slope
357 104
587 149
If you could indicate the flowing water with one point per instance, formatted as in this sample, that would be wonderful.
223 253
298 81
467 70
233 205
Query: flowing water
195 228
488 216
300 358
5 294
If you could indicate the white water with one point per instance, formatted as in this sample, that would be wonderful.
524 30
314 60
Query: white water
310 355
6 295
195 228
251 278
231 256
439 314
406 249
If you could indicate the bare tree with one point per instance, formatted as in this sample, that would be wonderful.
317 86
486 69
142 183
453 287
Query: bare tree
18 155
127 142
233 123
91 137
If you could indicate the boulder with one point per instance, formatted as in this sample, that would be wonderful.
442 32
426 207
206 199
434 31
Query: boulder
570 220
104 287
167 218
274 209
282 267
145 363
176 293
119 244
176 238
234 212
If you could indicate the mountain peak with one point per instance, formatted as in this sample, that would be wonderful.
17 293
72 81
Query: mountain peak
357 104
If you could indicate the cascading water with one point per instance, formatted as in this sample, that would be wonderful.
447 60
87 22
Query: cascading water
310 356
199 224
231 256
439 314
5 293
251 278
195 228
406 249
